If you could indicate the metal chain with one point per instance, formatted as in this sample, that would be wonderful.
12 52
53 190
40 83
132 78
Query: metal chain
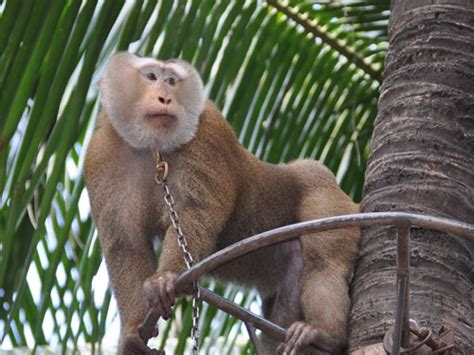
160 178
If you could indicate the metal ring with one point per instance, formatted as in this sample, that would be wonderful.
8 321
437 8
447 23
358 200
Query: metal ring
161 172
388 342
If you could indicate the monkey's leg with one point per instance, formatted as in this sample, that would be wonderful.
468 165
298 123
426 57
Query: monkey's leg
281 309
283 306
129 262
328 258
325 303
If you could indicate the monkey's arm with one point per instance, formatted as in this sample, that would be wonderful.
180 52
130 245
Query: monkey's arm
203 209
160 287
129 261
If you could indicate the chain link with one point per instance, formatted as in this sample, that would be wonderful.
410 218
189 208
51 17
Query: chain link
160 178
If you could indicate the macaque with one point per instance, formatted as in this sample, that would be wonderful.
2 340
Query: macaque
223 194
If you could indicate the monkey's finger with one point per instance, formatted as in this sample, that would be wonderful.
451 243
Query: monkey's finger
291 347
163 293
163 299
158 308
170 285
152 299
299 340
154 303
304 339
290 332
164 309
293 338
150 287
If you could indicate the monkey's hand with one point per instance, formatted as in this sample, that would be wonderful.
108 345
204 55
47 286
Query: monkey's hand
160 293
132 344
300 335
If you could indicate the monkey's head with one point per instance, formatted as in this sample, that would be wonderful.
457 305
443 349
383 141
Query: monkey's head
152 104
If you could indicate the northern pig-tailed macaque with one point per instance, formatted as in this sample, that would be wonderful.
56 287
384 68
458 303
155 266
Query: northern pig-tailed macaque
222 195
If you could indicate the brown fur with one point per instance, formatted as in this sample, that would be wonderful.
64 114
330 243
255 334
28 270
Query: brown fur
223 194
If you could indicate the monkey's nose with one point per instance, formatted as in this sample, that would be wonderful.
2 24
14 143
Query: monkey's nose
164 100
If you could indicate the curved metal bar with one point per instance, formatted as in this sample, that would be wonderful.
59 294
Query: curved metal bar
291 231
278 235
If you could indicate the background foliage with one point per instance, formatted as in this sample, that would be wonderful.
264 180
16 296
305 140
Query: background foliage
295 79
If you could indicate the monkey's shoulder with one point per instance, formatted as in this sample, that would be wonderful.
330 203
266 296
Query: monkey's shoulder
215 142
120 183
112 163
98 156
214 127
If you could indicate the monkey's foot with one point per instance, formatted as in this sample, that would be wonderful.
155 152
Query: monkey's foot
300 335
134 345
159 291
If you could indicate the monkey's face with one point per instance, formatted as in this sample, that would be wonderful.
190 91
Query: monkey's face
152 104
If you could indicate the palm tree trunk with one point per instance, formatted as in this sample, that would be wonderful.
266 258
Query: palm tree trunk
422 161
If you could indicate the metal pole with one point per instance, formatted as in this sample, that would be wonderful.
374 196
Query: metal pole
253 338
401 333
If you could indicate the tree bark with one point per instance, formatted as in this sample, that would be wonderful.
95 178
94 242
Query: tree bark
422 161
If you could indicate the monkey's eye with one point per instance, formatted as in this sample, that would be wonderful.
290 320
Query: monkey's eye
151 76
171 81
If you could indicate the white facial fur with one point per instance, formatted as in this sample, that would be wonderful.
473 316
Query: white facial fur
152 104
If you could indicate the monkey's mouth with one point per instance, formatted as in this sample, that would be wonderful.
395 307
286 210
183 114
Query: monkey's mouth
161 120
